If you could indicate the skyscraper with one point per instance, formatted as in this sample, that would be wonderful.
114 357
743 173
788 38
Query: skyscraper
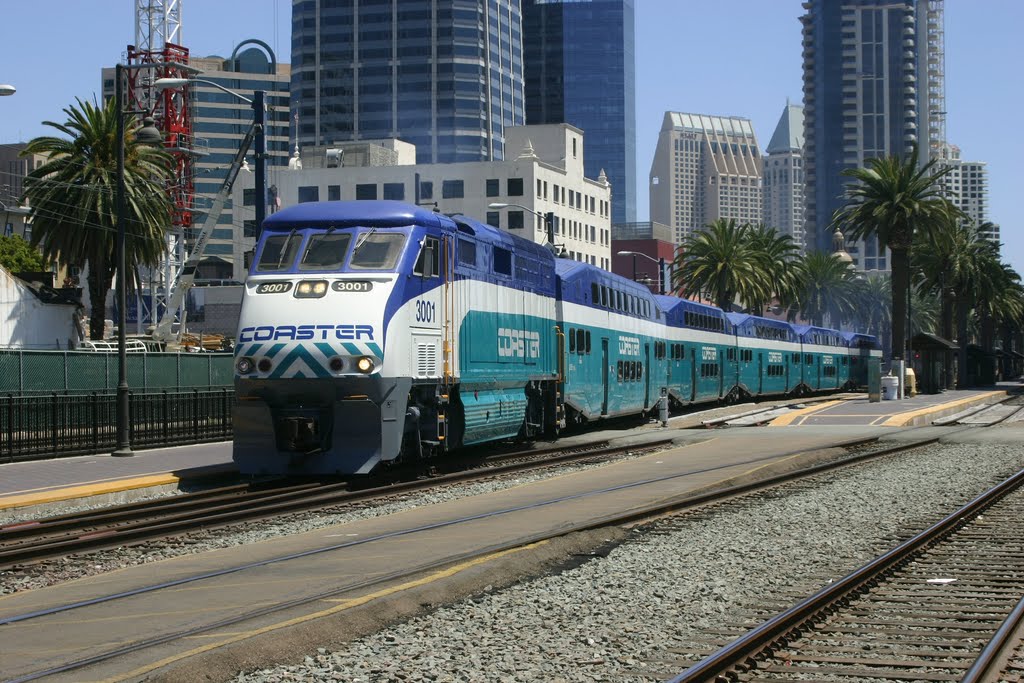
580 69
783 185
705 168
873 86
444 75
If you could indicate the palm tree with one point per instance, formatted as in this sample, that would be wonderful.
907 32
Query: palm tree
824 287
949 257
779 260
889 200
72 195
719 263
996 300
873 294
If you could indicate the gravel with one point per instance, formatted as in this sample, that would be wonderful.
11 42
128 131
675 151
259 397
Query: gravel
616 618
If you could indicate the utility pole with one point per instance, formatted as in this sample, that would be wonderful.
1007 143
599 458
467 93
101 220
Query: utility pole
259 109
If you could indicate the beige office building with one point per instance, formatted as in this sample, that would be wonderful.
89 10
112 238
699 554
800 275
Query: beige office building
705 168
543 173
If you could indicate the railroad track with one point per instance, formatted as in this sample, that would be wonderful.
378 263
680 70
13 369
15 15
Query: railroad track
39 540
920 612
1008 410
182 632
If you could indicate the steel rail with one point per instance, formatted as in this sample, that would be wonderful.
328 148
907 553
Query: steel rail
741 654
264 504
616 517
985 666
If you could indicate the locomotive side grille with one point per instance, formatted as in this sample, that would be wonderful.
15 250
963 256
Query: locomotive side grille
426 359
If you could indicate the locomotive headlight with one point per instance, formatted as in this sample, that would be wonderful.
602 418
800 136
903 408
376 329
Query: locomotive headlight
365 365
244 366
311 289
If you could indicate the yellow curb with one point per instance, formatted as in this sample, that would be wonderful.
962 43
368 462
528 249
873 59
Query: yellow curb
83 491
901 419
788 418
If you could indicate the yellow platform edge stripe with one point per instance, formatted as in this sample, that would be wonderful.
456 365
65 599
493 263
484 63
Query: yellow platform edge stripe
788 418
901 419
86 490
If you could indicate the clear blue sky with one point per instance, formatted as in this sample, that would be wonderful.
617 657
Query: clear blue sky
726 57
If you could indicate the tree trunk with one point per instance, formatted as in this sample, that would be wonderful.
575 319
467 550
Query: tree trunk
988 345
99 281
961 340
948 304
900 288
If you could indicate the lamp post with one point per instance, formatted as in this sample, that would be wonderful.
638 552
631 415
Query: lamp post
660 262
147 135
548 217
7 89
259 110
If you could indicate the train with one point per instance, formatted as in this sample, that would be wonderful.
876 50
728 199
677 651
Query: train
379 332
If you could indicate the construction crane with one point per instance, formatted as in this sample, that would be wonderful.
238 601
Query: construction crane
163 331
158 54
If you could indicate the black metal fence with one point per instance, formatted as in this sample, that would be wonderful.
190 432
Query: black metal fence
55 425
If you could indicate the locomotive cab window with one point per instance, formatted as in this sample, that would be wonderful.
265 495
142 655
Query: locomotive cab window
428 264
325 252
502 261
278 253
377 251
467 253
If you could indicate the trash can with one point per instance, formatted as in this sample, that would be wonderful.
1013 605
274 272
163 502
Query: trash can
890 385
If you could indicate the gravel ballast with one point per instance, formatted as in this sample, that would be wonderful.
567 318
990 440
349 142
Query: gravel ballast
615 618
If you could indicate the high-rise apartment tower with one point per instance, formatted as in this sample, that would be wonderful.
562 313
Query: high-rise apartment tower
444 75
873 86
580 68
966 185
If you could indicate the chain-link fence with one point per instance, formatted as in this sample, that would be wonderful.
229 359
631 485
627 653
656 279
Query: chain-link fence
28 373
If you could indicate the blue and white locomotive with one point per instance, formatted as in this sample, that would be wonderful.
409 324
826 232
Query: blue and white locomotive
376 331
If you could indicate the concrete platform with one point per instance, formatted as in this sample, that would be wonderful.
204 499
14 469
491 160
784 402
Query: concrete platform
909 412
48 482
109 480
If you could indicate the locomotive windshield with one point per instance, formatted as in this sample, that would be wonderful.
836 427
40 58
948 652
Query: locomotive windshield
377 251
278 252
325 252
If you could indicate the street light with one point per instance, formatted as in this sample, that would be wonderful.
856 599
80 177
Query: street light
660 262
147 135
259 109
548 217
6 89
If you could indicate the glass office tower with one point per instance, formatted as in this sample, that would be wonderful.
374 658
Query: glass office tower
580 70
444 75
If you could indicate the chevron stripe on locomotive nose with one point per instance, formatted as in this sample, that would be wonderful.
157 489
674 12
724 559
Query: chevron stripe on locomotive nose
302 361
